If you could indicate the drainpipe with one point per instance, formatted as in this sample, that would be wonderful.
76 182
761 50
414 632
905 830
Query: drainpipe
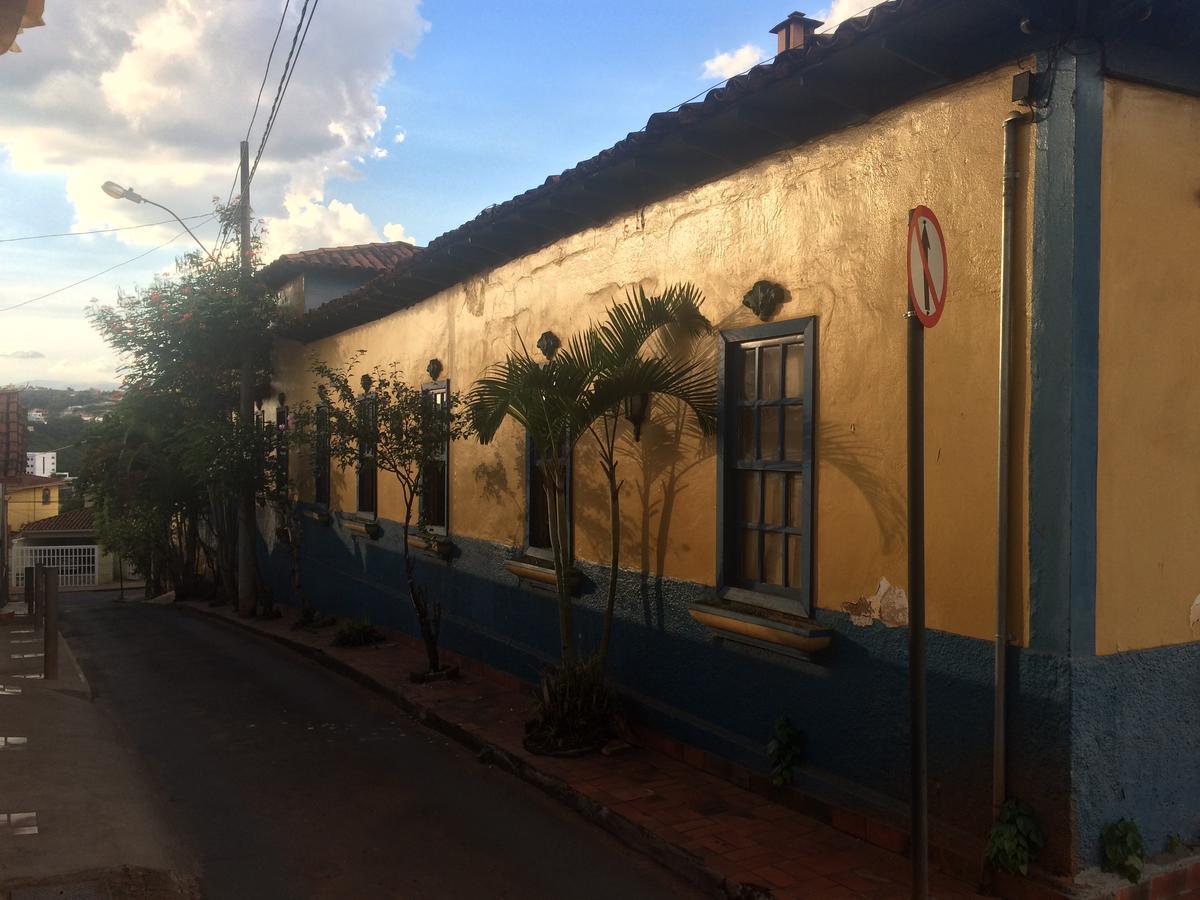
999 789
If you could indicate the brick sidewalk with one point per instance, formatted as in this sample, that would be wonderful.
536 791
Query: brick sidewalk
720 836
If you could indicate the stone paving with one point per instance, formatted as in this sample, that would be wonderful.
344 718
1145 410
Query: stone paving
729 838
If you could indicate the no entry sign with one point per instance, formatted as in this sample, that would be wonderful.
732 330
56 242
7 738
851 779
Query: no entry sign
927 275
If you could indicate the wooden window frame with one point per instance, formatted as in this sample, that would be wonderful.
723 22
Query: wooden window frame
784 599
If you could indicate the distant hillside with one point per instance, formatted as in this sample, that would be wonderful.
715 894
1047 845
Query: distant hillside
63 433
55 400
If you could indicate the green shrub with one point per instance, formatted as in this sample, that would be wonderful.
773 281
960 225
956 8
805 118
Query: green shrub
1015 840
784 751
1121 846
575 710
357 634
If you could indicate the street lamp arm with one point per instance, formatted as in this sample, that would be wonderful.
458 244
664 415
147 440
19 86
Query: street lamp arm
184 224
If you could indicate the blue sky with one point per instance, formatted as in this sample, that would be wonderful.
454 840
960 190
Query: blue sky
489 100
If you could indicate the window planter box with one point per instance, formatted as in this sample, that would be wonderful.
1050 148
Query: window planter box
540 576
764 628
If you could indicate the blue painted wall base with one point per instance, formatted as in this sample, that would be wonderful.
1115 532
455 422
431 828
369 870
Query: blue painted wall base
1089 741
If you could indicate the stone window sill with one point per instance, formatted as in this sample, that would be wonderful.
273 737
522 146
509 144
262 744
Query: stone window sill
358 523
437 545
764 628
537 574
320 516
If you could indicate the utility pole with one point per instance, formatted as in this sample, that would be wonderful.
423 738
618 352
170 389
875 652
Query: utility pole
247 525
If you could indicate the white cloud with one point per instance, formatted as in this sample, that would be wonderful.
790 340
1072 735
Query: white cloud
394 231
23 354
726 65
310 222
157 93
400 136
841 10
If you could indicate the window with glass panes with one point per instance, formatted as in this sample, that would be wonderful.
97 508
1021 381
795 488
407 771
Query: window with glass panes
321 457
368 477
434 485
537 508
767 464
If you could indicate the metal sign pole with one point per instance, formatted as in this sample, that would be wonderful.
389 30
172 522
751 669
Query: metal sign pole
916 605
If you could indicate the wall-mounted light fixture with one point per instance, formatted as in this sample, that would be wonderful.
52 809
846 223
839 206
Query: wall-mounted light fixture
548 343
636 408
764 299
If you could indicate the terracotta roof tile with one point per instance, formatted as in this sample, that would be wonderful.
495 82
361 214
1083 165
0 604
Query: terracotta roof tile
75 520
377 257
28 481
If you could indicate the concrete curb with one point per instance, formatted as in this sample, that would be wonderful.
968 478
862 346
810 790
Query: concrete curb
686 865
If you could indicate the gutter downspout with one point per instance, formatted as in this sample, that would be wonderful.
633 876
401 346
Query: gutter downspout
999 758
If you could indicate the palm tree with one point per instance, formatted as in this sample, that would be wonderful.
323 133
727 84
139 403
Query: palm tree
601 376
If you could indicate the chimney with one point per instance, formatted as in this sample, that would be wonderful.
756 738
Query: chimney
795 31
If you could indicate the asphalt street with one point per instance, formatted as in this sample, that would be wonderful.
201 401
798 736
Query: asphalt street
282 780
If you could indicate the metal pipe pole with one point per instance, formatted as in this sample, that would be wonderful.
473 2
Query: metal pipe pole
39 594
6 566
50 631
30 597
916 606
1003 427
246 518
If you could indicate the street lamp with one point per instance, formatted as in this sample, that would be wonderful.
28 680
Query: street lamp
117 192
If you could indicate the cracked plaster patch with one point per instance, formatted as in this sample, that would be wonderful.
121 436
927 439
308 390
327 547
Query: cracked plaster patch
889 605
1194 619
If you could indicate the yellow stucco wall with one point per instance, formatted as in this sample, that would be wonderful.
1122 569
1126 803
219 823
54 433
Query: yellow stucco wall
828 221
1148 453
25 505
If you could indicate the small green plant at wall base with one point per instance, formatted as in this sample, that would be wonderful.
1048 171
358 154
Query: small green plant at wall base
1175 844
784 751
575 710
1121 846
357 634
1015 840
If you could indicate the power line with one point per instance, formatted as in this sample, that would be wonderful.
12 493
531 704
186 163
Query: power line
258 99
285 78
98 274
267 68
38 237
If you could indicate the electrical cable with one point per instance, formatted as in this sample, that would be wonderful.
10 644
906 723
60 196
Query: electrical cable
267 68
289 66
38 237
104 272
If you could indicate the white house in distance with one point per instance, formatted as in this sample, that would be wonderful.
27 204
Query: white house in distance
37 416
41 463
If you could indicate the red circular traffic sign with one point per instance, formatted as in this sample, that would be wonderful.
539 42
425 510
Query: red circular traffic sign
928 274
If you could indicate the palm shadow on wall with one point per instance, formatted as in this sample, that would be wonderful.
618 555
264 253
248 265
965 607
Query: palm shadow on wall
862 464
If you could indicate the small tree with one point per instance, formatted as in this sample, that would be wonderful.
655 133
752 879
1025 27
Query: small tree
586 388
405 432
183 340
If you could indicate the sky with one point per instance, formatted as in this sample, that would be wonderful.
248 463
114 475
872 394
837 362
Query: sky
404 119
